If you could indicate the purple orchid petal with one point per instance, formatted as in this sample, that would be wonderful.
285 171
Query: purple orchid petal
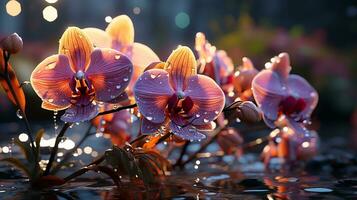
208 99
152 91
109 73
149 127
268 92
188 132
51 79
121 120
122 97
300 88
80 113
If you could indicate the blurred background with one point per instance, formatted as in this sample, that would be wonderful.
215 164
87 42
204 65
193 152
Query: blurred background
319 35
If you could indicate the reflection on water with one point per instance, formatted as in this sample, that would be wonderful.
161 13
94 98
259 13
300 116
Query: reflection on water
186 185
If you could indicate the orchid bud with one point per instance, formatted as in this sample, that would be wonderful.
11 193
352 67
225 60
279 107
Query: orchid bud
248 112
229 140
12 44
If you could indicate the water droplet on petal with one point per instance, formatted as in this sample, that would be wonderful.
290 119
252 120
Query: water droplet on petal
126 79
205 120
50 100
153 76
118 86
149 118
117 57
198 115
216 112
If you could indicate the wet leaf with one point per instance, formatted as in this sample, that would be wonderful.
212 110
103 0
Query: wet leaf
18 164
14 83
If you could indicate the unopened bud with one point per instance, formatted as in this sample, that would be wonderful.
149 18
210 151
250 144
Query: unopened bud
248 112
12 44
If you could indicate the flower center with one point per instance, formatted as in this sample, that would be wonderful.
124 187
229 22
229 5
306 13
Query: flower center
291 105
82 91
180 104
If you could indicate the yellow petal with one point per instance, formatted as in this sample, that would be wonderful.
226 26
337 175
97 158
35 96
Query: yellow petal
98 37
76 45
181 65
121 30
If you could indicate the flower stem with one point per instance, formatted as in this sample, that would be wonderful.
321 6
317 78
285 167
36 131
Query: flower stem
117 109
202 148
69 153
83 170
183 152
55 148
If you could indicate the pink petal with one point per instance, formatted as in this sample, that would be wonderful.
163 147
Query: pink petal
80 113
300 88
268 92
51 79
186 132
149 127
208 99
142 56
152 91
281 65
109 72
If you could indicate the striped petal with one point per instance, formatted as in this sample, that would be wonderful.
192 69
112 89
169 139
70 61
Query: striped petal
51 81
208 99
181 65
76 45
152 91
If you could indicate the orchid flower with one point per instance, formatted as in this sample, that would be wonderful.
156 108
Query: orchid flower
178 98
79 77
115 125
243 80
214 63
291 142
279 93
119 35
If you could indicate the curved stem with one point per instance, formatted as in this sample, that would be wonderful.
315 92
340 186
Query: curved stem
202 148
117 109
183 152
55 148
69 153
84 170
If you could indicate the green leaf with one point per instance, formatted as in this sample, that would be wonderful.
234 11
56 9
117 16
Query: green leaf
18 164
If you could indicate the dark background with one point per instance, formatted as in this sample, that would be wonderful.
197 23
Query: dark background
319 35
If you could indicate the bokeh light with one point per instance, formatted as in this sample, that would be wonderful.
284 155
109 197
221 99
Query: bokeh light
136 10
51 1
108 19
182 20
23 137
50 13
13 8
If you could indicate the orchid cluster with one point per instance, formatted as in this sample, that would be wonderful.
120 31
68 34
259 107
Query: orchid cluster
106 78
